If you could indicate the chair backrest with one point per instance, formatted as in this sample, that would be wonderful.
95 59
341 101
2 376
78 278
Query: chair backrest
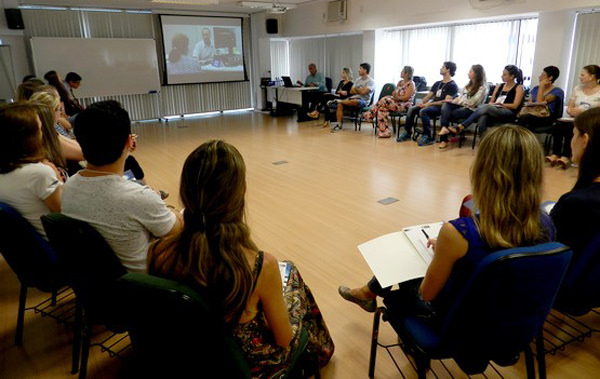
580 291
178 329
328 84
27 253
420 83
90 264
387 90
506 300
558 108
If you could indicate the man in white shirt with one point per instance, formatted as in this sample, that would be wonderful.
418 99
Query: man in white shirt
204 50
128 215
361 93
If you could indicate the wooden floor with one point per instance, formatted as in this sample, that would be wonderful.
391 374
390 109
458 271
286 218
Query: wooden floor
314 209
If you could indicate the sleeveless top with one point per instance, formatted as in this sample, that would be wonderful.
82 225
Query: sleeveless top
477 250
400 92
510 96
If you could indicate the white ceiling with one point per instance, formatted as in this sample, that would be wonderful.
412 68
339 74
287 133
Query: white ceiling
225 6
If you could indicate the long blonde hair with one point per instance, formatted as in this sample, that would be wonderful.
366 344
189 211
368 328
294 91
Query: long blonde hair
46 104
211 248
506 180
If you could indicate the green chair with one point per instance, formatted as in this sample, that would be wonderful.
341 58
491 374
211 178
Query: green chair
177 332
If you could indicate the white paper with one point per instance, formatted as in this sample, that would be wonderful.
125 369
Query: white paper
284 270
418 239
393 259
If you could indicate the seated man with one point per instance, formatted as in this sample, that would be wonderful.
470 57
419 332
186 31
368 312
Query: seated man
204 50
431 106
314 80
125 213
360 94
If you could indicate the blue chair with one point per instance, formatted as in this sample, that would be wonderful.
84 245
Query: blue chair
92 269
580 291
31 258
499 312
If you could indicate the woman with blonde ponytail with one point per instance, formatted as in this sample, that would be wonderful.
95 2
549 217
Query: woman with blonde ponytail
215 251
506 180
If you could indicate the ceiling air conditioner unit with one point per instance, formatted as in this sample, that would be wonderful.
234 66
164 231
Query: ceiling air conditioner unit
336 11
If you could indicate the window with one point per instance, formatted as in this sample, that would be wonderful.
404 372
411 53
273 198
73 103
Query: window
493 45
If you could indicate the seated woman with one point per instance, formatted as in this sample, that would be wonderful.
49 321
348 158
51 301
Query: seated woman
401 99
577 212
50 140
585 96
341 92
26 183
464 105
179 62
511 177
215 251
503 105
69 148
543 94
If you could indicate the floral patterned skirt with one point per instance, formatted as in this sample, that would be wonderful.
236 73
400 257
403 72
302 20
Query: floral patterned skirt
268 360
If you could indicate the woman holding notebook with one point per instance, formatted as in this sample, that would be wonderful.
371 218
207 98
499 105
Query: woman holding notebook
512 176
215 251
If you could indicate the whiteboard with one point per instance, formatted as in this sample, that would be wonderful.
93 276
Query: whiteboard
108 66
7 78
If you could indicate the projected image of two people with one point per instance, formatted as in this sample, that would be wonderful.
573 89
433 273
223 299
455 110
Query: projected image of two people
203 48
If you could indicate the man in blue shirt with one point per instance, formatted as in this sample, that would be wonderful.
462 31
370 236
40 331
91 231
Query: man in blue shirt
312 99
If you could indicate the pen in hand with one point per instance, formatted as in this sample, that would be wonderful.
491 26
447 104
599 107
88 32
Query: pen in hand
424 232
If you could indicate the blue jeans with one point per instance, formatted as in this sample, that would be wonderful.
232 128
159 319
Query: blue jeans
453 112
426 115
488 113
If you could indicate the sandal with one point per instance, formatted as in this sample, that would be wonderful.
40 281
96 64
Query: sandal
444 131
369 305
564 162
313 114
456 130
384 134
552 159
443 145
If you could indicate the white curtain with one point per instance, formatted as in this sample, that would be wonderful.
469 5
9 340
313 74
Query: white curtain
585 46
493 45
280 58
331 54
303 52
341 52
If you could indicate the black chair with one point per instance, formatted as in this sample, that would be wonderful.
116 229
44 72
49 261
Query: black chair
386 90
92 269
329 84
420 83
179 330
497 314
356 112
32 260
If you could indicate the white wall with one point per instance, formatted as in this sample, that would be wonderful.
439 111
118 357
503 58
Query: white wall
309 19
16 40
553 44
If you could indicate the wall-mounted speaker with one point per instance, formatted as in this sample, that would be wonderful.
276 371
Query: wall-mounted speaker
272 26
14 20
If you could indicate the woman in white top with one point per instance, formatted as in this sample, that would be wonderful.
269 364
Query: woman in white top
464 105
585 96
26 183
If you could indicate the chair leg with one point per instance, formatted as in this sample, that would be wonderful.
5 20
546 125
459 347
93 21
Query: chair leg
422 367
374 337
541 355
77 337
475 136
85 350
54 297
529 363
21 315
